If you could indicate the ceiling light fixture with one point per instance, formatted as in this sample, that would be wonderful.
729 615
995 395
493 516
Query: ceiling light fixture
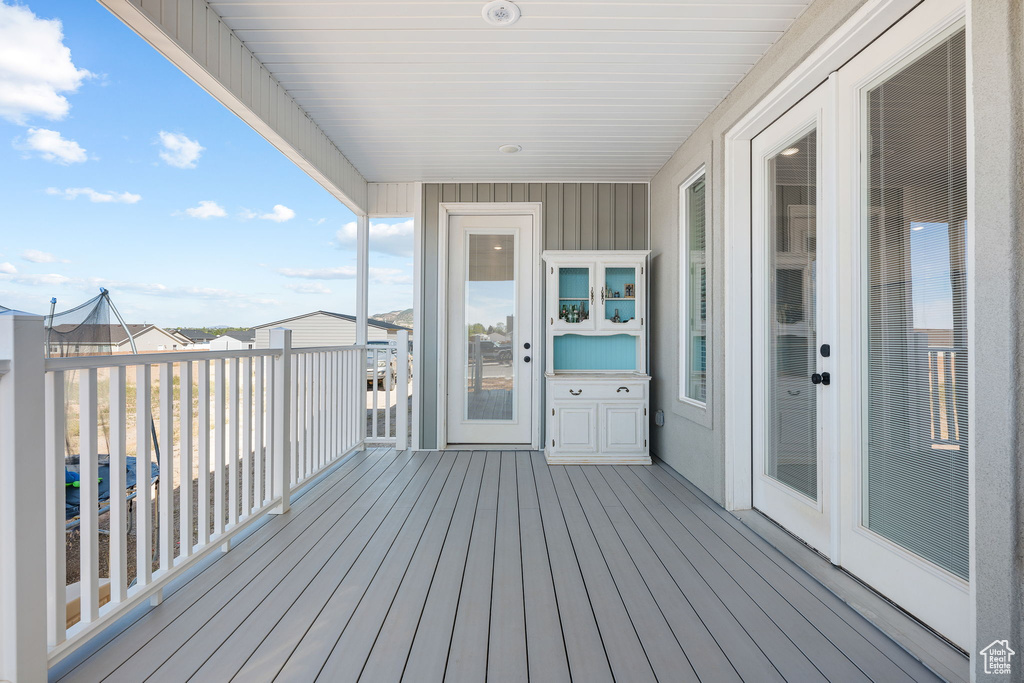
501 13
510 149
917 227
497 247
789 151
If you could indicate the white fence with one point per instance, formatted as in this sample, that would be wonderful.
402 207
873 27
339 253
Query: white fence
218 439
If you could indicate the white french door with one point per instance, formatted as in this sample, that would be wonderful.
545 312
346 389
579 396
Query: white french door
859 274
490 318
902 229
791 461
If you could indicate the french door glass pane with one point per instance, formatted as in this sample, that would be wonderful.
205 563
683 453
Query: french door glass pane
792 247
490 327
915 465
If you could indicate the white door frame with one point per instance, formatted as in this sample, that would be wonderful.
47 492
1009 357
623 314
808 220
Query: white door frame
867 24
446 210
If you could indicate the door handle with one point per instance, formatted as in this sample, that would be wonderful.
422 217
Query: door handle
526 359
526 346
824 378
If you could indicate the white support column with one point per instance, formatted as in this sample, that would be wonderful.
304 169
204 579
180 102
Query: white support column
402 393
281 338
362 277
22 500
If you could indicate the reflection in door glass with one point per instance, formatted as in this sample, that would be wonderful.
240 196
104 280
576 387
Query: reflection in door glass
490 327
915 465
792 454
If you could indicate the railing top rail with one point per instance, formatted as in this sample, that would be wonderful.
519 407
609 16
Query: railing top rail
88 362
323 349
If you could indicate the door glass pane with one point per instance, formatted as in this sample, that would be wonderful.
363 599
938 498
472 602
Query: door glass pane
573 294
490 327
695 290
915 466
792 454
619 294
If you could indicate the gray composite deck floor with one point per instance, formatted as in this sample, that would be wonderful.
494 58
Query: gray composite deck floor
472 566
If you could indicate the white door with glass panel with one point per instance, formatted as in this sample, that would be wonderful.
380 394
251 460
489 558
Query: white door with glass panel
861 449
490 375
790 384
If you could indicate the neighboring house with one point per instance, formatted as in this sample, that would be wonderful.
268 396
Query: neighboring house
234 340
90 340
195 339
323 328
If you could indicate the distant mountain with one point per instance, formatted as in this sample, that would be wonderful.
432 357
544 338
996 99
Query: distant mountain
403 318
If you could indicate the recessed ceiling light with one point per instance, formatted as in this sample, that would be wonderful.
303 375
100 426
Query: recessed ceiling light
917 227
789 151
501 13
510 149
497 247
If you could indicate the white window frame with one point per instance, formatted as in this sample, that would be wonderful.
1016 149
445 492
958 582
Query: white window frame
685 294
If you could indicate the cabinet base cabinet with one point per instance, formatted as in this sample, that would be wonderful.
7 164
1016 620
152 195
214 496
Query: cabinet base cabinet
589 422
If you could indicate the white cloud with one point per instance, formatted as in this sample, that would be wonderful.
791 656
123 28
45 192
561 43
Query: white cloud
35 66
207 209
40 279
391 276
36 256
8 268
280 214
308 288
52 147
339 273
395 240
94 196
179 151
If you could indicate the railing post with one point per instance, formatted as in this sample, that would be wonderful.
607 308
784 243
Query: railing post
402 393
22 500
281 338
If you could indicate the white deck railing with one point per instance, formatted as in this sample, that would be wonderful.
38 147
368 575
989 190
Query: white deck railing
231 433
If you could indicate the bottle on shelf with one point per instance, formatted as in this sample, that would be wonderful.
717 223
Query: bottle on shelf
564 313
616 318
574 314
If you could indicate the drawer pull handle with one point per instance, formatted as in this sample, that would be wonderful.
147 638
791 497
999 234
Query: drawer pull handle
626 389
793 393
576 393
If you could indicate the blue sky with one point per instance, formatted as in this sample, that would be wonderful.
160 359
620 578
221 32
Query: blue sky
97 189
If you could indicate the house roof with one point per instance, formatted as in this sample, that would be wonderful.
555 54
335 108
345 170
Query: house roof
241 335
195 335
430 91
341 316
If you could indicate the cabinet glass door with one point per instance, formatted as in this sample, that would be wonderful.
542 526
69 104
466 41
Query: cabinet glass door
620 302
574 298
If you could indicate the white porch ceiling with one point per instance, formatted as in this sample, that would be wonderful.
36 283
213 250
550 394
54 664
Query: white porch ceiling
426 90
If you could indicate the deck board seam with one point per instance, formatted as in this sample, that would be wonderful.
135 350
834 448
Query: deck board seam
384 559
327 539
241 559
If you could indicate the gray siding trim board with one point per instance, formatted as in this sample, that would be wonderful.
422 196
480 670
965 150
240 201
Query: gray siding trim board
576 216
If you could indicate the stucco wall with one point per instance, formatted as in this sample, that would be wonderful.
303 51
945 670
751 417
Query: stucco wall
693 439
996 56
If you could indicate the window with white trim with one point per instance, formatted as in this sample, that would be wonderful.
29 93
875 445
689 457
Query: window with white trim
693 295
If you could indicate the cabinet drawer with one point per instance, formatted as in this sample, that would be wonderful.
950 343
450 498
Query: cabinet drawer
587 391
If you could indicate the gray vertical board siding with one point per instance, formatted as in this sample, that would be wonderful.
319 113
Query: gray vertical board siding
575 215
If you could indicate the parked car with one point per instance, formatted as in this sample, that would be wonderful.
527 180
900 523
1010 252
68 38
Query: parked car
492 351
379 365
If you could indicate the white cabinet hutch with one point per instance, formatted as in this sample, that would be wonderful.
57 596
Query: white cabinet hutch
596 377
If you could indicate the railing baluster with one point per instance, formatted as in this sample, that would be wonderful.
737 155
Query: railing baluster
166 498
247 458
118 485
185 454
295 378
234 397
143 467
308 394
219 440
259 427
302 386
88 492
56 538
402 392
203 464
282 384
